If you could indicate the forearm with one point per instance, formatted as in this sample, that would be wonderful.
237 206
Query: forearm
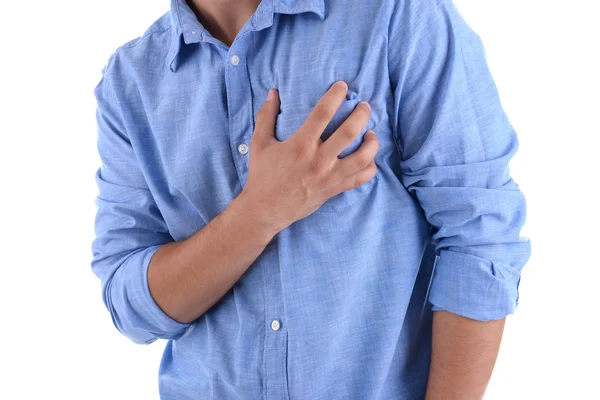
463 356
187 278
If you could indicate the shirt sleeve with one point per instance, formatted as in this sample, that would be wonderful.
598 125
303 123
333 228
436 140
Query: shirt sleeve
129 229
456 142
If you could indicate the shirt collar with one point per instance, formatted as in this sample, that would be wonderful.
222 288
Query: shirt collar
300 6
186 29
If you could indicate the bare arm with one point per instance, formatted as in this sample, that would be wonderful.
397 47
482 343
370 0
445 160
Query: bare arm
287 181
186 278
463 356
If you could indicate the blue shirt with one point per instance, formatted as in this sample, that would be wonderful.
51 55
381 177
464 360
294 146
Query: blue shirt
353 285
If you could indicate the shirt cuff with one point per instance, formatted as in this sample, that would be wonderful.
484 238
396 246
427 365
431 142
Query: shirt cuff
147 316
473 287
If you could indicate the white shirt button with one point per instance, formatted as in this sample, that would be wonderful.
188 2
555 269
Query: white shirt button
243 148
235 60
275 325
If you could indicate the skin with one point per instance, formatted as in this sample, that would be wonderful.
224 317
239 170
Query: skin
288 181
463 356
217 16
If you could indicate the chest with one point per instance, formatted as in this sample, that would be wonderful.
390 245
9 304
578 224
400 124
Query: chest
199 118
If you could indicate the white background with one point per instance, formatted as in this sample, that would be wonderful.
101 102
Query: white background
58 340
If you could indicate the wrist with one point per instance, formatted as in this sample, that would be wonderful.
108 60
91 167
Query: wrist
255 217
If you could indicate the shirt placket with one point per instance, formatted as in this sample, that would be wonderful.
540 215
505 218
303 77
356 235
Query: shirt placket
275 344
241 127
239 104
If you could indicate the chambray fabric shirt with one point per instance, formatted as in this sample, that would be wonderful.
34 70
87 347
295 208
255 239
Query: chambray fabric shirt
353 287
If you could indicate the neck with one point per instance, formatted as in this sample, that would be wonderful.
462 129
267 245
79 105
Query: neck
223 18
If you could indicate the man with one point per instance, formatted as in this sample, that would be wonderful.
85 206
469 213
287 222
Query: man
284 247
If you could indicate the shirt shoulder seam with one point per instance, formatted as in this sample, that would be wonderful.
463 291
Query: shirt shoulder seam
133 43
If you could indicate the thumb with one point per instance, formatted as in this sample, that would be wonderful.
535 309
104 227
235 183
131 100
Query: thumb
264 130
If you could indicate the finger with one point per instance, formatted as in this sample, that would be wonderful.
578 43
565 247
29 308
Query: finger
264 130
355 180
360 159
322 113
348 131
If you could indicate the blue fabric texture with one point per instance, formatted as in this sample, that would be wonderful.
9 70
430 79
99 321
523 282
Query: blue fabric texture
355 284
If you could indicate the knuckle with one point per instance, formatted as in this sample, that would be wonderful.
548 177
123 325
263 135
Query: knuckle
360 180
361 161
322 111
347 133
314 166
318 165
366 175
261 113
299 148
364 108
371 171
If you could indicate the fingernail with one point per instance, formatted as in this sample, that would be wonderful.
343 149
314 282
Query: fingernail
366 104
271 94
342 84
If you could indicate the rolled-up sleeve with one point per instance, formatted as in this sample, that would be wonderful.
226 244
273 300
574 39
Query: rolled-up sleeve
129 229
456 142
